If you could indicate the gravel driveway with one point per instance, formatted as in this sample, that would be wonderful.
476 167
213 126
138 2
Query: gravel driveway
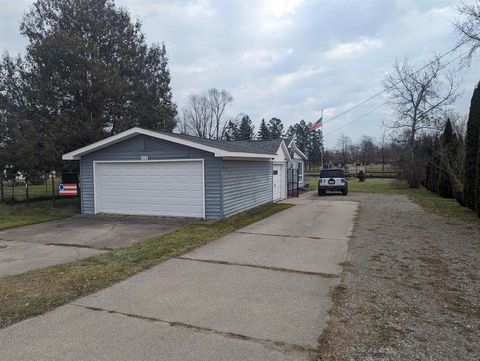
410 288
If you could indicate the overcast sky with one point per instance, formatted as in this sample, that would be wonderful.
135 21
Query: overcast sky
288 58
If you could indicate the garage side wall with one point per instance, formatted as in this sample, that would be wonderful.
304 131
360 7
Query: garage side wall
155 149
246 184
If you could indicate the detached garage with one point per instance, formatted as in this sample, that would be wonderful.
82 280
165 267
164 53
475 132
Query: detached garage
141 172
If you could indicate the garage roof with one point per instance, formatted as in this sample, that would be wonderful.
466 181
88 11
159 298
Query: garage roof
245 149
247 146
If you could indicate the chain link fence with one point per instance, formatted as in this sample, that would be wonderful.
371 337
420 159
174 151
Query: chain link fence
31 187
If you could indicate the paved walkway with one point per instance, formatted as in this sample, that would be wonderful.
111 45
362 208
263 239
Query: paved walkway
261 293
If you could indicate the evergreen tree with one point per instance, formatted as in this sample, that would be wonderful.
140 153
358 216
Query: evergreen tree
263 132
471 152
309 142
275 127
232 132
87 73
435 166
448 143
477 183
430 167
157 110
299 132
246 128
428 174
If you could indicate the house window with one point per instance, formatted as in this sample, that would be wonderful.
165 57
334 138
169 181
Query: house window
275 172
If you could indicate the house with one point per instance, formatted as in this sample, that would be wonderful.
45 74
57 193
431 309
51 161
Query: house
142 172
298 160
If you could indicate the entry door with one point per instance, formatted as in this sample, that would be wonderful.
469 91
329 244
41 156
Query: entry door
164 188
277 182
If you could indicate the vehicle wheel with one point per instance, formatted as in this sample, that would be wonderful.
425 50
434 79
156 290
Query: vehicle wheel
319 192
345 192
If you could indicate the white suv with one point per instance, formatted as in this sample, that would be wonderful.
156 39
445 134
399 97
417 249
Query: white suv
332 180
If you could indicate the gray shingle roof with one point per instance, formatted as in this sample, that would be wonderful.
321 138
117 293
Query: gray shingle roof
244 146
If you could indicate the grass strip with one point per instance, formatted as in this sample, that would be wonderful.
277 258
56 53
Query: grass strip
36 292
17 215
446 207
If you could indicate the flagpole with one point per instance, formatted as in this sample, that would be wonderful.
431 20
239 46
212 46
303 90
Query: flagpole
321 148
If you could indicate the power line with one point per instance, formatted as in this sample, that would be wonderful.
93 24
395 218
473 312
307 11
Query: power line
384 103
357 118
387 89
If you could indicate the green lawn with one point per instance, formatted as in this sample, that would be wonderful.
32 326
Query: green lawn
35 212
380 170
38 291
377 185
429 201
372 185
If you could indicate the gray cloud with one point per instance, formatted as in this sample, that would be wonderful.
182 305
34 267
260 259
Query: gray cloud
288 59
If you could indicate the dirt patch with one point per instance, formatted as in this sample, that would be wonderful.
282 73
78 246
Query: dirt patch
410 288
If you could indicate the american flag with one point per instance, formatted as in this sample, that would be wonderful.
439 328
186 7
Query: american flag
67 189
316 125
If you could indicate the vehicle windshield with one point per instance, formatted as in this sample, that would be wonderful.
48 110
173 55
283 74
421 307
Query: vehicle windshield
331 173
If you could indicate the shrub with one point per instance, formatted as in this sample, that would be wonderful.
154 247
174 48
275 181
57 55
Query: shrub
361 176
444 185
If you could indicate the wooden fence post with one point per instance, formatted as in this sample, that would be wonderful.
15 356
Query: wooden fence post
2 196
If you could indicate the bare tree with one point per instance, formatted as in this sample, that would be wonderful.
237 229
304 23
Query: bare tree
344 143
203 115
182 126
468 28
417 97
383 142
368 149
219 100
197 117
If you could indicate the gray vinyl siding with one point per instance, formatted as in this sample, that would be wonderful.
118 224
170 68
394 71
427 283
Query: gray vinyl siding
246 184
155 149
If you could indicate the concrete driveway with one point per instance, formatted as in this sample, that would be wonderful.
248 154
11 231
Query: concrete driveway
261 293
44 244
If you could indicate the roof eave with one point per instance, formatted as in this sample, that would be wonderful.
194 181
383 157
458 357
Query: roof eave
284 146
77 154
299 152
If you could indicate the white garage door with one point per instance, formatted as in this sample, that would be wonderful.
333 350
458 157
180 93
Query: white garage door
166 188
